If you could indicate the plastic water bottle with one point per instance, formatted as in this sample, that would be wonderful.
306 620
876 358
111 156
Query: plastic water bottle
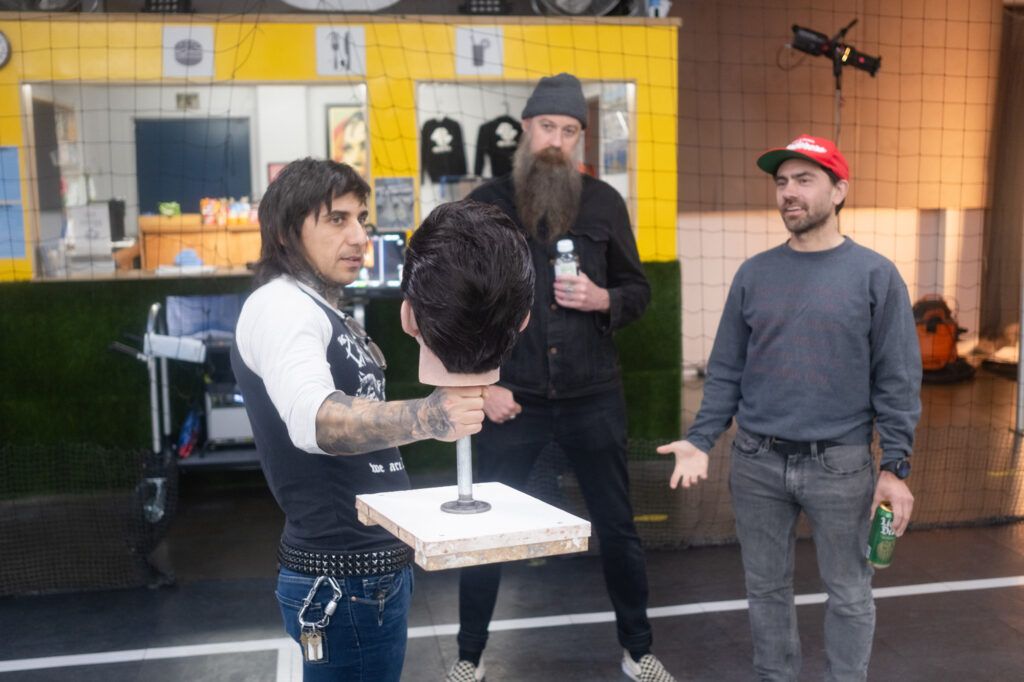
567 262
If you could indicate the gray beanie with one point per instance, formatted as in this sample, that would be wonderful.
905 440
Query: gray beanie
561 94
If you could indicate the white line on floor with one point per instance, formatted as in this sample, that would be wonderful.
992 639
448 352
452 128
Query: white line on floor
289 662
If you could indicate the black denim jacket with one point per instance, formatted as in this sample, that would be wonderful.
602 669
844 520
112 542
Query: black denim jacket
567 353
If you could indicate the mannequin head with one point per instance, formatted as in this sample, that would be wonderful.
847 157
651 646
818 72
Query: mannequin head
468 287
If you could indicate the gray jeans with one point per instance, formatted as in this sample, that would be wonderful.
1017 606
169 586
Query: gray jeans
834 488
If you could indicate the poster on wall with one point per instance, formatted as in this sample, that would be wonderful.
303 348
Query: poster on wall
348 137
479 51
395 201
340 51
188 51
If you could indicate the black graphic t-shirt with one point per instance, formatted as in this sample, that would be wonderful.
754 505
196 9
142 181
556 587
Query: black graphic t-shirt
316 491
497 141
442 151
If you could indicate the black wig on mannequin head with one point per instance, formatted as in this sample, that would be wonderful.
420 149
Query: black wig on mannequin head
468 278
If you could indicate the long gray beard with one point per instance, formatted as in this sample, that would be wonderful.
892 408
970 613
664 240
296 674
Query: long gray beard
547 186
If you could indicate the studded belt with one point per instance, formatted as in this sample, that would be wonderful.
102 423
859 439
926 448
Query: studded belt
345 564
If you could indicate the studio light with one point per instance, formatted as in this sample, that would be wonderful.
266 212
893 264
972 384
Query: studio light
841 54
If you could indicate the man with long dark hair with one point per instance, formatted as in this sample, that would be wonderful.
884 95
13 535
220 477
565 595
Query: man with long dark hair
313 385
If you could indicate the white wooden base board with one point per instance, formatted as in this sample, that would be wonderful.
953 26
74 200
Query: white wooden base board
516 527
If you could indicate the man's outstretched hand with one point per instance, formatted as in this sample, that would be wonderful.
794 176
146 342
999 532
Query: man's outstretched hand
691 463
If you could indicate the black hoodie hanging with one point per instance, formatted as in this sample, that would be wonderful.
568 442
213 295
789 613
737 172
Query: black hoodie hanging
441 149
497 140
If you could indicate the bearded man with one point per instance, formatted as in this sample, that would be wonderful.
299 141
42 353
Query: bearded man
562 384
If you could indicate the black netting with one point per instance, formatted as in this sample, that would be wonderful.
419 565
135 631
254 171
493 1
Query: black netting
78 517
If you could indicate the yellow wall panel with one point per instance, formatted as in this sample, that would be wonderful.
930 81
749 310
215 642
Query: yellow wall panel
249 52
399 53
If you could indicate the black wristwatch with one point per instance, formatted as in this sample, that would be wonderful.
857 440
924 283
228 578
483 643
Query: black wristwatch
900 468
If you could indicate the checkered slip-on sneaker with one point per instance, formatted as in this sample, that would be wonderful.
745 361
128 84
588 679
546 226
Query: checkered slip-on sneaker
648 669
464 671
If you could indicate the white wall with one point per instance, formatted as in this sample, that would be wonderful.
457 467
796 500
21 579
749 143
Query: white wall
936 251
278 139
291 122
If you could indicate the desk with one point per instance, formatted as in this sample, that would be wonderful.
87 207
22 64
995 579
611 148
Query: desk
164 237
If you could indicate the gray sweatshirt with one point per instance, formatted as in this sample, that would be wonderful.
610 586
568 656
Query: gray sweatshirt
815 346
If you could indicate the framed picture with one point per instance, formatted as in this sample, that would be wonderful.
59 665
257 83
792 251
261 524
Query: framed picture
273 168
395 203
348 139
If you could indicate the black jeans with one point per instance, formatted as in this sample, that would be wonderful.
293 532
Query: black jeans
592 432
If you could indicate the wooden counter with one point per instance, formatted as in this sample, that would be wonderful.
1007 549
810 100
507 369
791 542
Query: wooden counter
164 237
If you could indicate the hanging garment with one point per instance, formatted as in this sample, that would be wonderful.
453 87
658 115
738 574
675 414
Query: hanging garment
497 141
441 149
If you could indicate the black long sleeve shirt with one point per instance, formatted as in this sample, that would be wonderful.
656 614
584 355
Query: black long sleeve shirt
442 151
497 141
566 353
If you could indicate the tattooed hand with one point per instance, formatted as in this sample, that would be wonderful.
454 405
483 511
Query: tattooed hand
351 426
449 413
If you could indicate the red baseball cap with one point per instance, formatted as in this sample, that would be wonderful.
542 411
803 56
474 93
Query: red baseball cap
814 149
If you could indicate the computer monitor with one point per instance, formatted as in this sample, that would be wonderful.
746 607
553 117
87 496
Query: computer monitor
382 265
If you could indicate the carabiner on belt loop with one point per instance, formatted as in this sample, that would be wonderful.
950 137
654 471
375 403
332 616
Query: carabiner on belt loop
328 610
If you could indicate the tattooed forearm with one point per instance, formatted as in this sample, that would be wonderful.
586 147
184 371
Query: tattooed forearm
433 418
350 426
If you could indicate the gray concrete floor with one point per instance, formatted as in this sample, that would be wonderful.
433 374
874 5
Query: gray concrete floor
227 599
221 551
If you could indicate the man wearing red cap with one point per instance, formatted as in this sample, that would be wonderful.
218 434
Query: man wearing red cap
815 350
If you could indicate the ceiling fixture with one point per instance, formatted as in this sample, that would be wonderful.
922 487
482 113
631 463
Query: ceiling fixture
588 8
340 5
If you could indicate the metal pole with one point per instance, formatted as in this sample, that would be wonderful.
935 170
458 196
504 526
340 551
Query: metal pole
1018 426
464 463
154 381
154 404
165 394
837 112
1018 422
464 459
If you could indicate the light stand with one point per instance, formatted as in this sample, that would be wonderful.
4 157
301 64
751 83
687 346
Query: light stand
837 71
841 54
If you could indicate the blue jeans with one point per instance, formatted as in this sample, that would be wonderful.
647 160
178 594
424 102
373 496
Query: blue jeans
366 636
834 488
591 430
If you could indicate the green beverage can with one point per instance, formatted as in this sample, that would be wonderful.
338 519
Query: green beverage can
882 540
